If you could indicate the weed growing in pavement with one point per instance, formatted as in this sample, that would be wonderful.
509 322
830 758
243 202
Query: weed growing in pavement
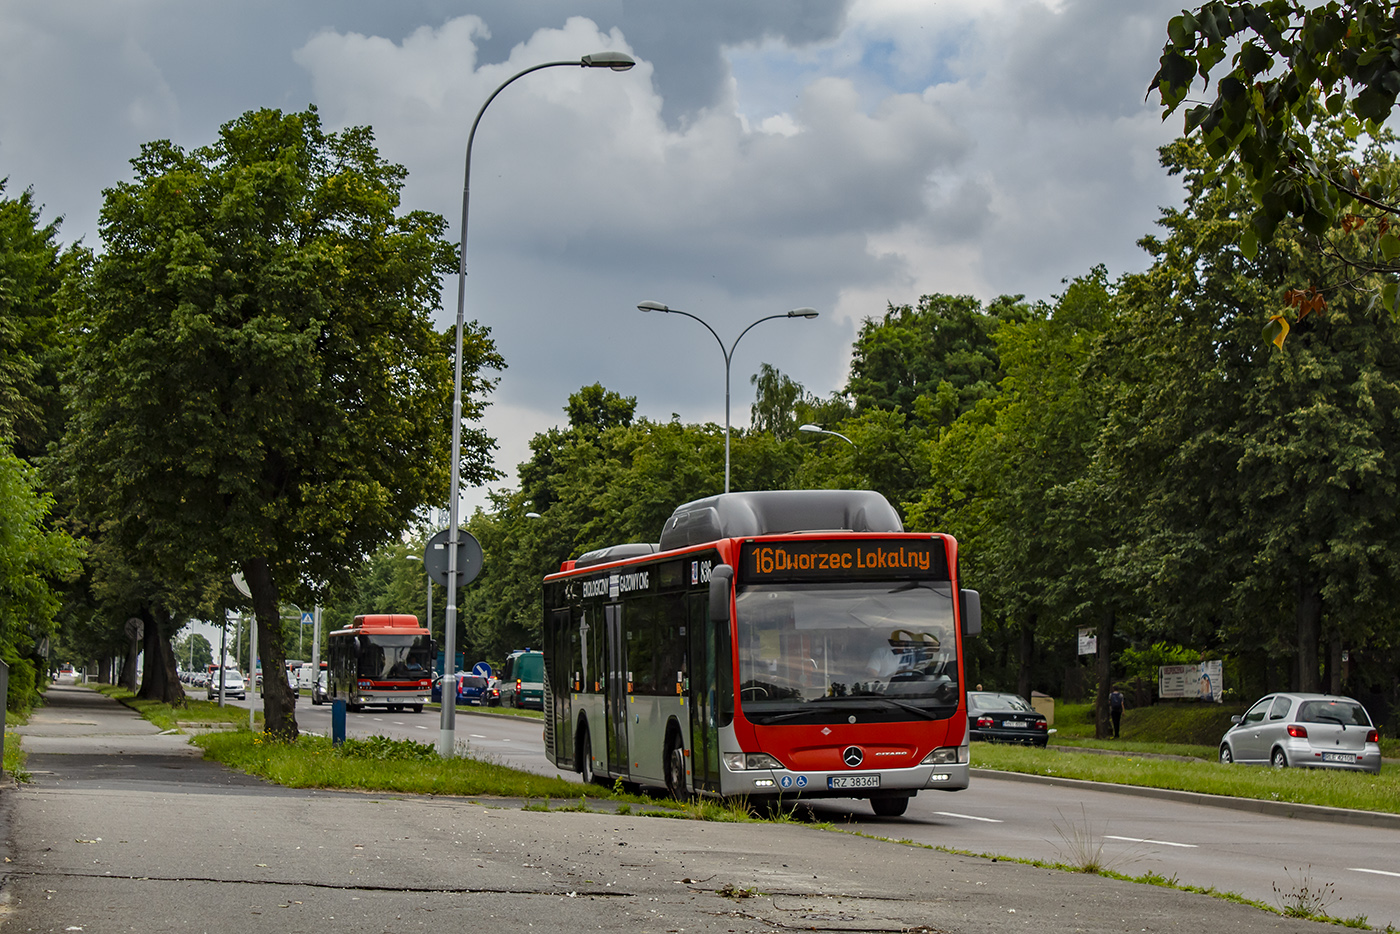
730 890
15 758
1304 898
1082 844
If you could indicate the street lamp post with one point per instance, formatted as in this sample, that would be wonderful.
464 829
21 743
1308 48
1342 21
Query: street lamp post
728 356
448 725
819 430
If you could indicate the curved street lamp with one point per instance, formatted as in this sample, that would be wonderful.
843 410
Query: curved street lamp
819 430
728 356
447 741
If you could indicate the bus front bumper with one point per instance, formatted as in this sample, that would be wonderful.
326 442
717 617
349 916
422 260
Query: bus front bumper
857 783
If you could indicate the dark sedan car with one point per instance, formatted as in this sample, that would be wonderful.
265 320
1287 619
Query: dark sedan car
1005 718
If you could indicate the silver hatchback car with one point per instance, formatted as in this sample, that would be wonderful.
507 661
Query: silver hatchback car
1314 730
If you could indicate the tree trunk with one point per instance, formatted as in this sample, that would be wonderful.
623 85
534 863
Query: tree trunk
1103 726
160 676
1309 618
1023 678
279 701
128 676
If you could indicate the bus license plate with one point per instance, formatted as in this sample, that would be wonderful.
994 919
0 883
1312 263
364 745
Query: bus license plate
1338 757
853 781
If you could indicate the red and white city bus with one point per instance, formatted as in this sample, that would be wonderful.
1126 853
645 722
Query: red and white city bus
793 644
382 660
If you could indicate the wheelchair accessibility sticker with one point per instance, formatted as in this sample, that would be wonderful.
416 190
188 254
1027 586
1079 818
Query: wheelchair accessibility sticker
787 781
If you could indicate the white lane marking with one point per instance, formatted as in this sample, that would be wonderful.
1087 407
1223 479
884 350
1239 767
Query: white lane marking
477 735
1378 872
989 820
1189 846
417 727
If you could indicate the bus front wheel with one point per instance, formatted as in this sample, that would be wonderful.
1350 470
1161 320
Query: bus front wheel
889 807
417 708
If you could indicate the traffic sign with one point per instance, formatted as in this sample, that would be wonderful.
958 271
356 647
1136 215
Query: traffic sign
469 557
306 618
481 670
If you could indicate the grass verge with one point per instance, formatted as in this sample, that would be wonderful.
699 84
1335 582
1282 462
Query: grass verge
168 718
1356 790
376 764
1181 729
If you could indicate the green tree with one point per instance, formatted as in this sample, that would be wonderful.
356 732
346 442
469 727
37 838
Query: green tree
35 274
258 385
33 558
1267 480
1001 478
194 652
934 361
1294 66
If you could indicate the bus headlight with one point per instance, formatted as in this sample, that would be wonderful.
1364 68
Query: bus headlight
943 755
743 761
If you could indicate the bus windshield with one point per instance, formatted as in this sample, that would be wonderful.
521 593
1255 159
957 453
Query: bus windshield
395 658
824 652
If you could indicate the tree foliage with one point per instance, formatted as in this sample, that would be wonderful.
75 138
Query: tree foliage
934 361
1292 67
1265 483
259 385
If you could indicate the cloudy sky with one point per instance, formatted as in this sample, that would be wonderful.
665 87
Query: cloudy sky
764 155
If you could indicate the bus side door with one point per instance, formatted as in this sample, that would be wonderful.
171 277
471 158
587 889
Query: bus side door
615 648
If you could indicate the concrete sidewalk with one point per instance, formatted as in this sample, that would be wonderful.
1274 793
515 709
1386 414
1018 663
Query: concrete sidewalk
125 829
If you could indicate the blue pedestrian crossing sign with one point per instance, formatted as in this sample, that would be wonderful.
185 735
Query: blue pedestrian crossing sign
306 618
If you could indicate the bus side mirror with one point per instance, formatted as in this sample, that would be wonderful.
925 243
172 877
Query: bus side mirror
971 611
721 578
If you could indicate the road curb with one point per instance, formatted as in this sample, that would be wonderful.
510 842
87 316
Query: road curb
1315 812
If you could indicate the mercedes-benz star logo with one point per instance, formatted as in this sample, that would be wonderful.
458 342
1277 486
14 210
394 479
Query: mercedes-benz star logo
852 756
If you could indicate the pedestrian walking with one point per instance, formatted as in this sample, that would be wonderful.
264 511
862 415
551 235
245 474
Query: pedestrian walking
1115 709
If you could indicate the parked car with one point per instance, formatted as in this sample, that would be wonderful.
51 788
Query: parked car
493 692
522 680
233 685
320 691
1005 718
1322 731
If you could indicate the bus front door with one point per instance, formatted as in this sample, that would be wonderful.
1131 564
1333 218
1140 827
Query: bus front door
704 695
616 667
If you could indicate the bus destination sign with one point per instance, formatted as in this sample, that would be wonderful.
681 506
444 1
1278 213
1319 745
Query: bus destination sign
844 559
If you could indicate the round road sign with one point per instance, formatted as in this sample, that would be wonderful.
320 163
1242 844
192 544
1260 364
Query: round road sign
469 557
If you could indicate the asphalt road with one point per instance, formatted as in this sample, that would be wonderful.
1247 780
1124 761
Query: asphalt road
123 828
1263 857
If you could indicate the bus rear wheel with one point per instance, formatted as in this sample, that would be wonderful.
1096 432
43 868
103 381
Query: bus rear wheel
417 708
583 757
889 807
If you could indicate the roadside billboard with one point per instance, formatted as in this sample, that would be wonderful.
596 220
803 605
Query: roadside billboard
1200 682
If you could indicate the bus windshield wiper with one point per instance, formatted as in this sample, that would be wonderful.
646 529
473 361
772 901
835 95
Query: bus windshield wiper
921 711
808 710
